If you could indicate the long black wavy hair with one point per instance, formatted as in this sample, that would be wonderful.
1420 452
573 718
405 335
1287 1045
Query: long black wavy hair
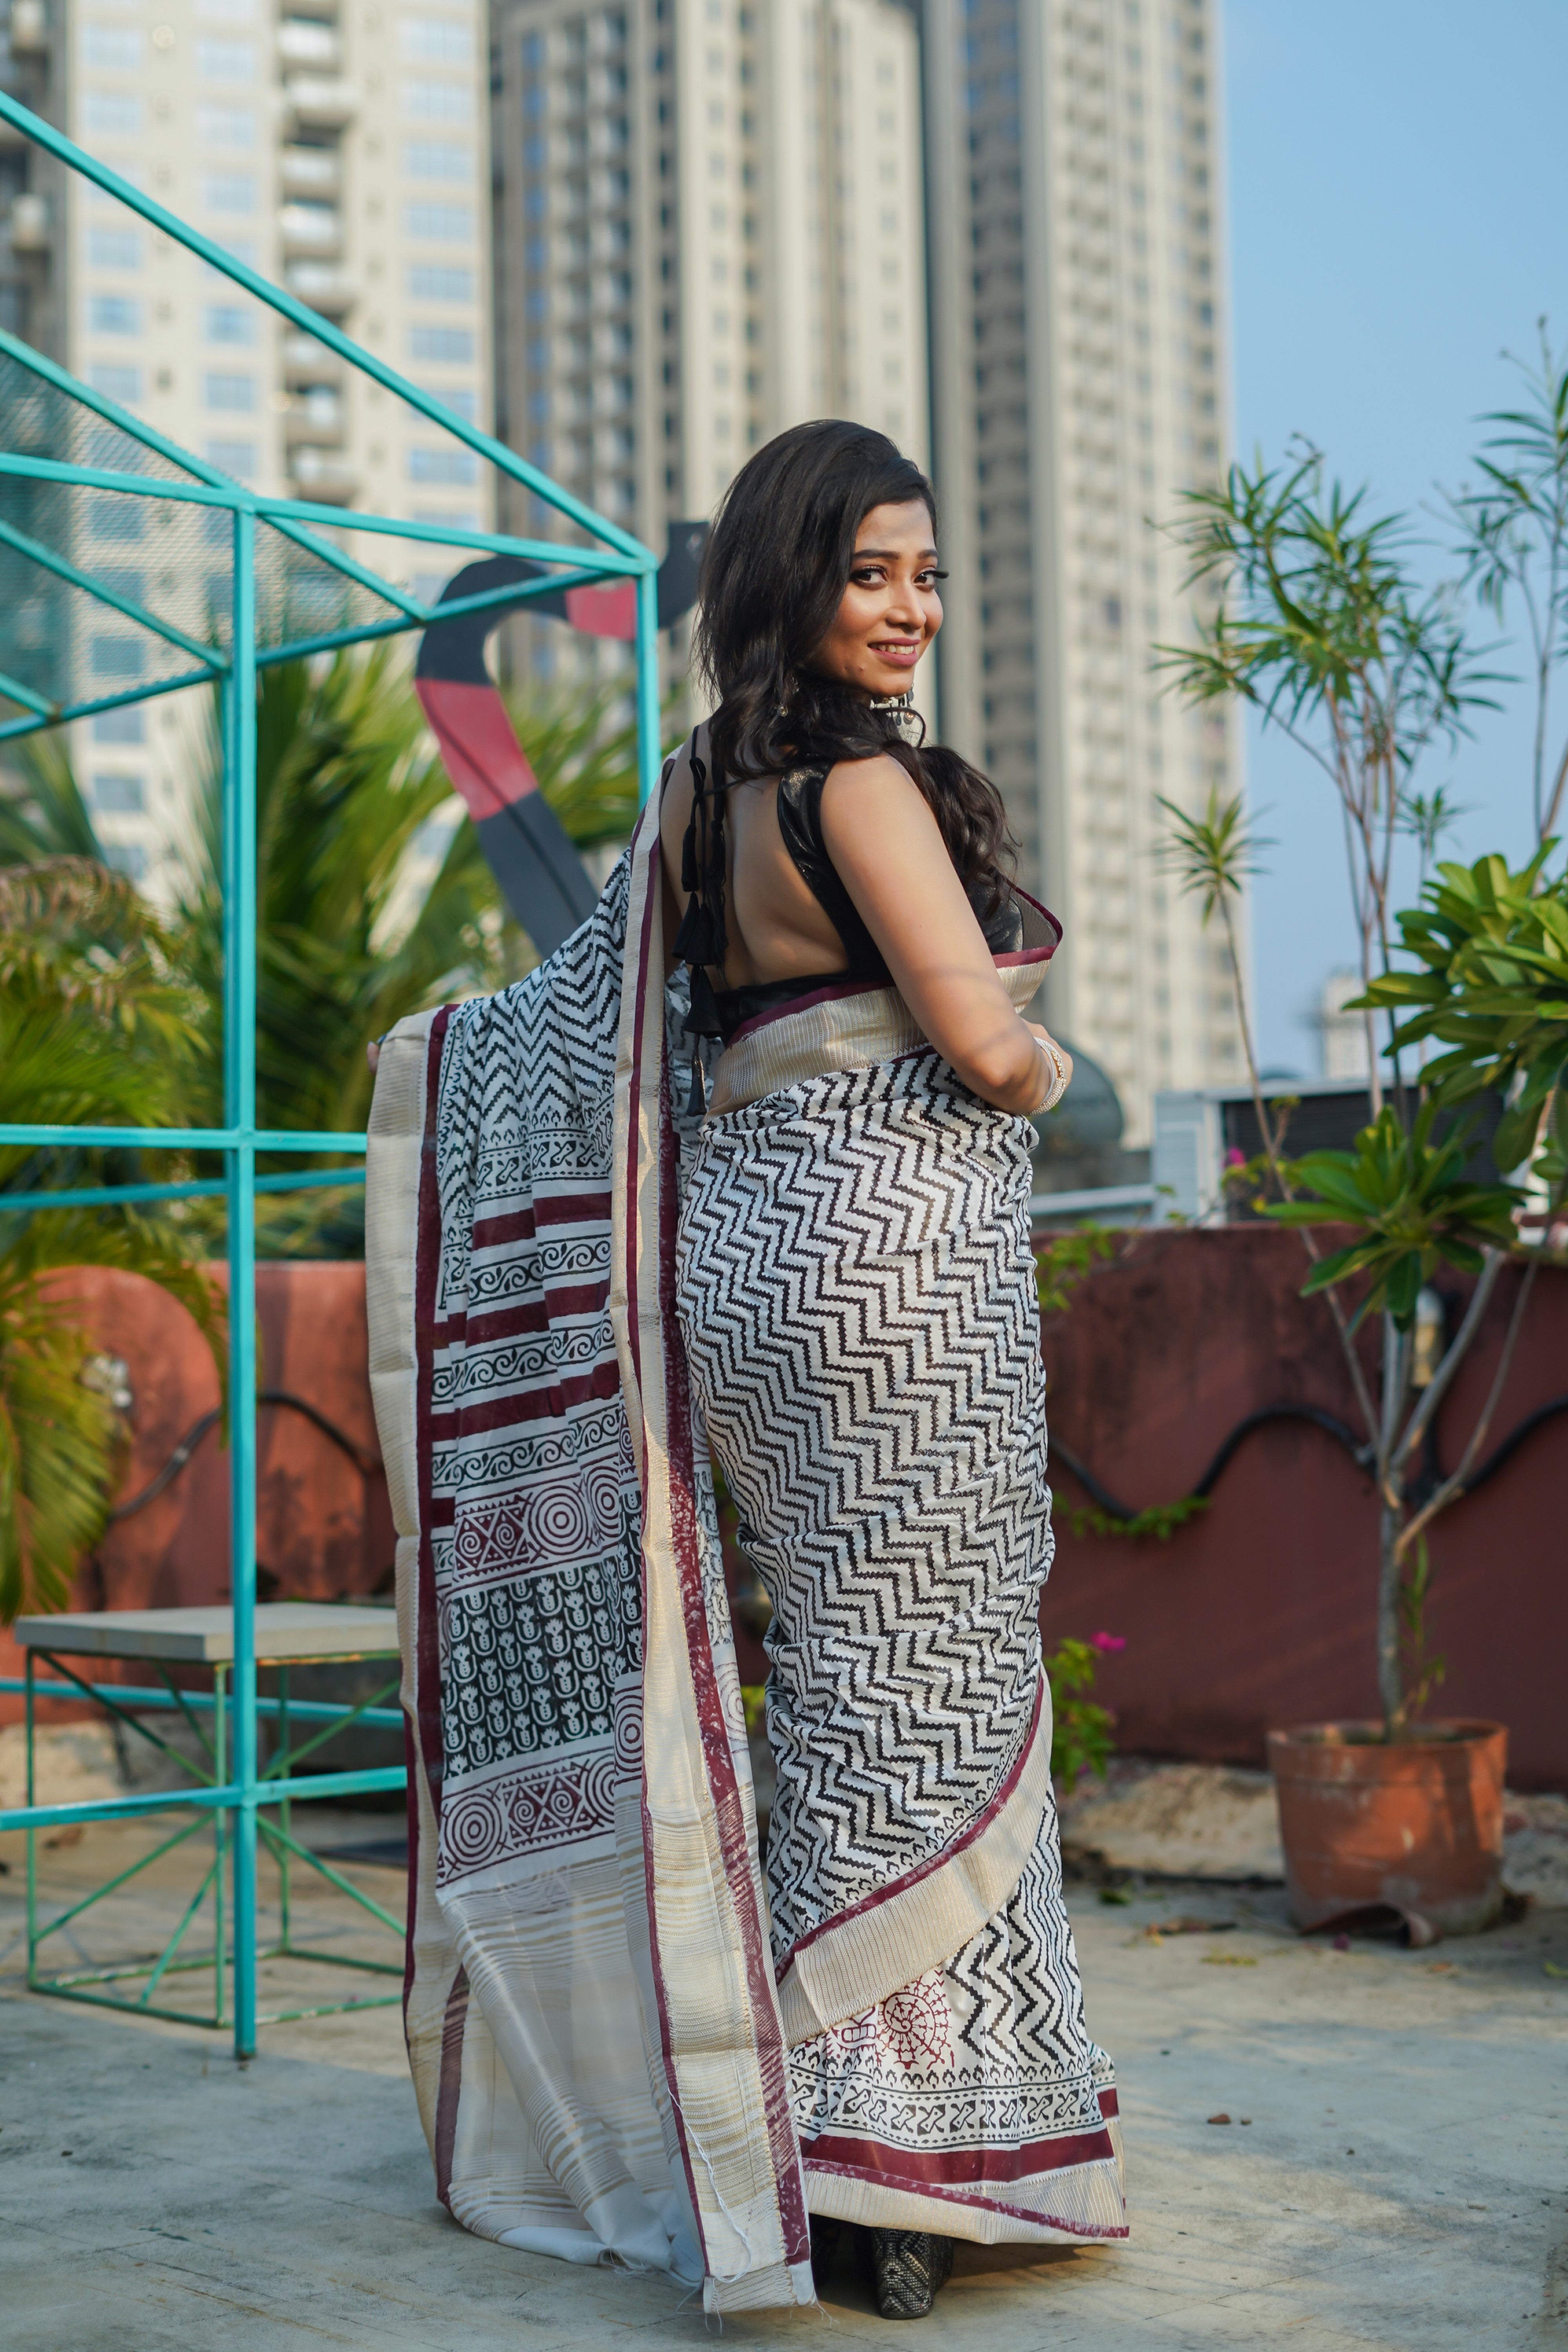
777 565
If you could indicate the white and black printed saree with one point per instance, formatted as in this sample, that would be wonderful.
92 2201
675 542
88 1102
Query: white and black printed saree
626 2043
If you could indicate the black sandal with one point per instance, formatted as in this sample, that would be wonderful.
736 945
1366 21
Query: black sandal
908 2267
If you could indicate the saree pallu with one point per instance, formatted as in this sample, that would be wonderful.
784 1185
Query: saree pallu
620 2050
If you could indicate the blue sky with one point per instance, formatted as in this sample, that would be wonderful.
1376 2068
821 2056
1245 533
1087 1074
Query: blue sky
1398 220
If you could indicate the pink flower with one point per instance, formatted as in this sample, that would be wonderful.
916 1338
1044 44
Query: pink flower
1106 1642
1234 1159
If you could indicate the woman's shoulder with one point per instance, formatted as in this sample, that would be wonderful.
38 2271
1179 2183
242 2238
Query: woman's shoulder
865 791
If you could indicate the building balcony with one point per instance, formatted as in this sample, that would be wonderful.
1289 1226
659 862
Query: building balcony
29 29
323 286
314 419
315 46
310 171
311 230
29 223
315 103
306 363
332 481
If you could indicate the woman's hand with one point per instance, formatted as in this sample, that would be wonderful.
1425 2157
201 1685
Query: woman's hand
884 841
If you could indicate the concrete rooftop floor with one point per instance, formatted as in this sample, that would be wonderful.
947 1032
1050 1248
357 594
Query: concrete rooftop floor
1401 2180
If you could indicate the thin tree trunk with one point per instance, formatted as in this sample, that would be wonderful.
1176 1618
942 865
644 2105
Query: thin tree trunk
1390 1674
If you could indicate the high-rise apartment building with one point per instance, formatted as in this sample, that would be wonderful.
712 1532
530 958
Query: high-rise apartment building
340 147
1075 204
710 225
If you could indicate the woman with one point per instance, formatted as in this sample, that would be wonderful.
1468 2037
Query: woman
597 1248
856 1303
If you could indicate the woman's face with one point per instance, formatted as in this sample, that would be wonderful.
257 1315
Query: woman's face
891 609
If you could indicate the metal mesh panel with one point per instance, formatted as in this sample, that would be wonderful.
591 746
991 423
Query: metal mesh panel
88 573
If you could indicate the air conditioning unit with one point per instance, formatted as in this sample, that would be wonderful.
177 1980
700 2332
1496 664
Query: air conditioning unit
1198 1130
29 224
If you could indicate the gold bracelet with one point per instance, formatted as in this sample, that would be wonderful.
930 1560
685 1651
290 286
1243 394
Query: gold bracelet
1056 1084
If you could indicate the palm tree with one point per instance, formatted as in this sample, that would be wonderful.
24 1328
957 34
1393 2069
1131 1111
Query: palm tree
94 1030
372 906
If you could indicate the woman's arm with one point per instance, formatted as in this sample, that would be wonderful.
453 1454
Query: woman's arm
884 841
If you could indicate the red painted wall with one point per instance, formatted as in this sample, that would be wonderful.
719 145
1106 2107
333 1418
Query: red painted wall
1260 1612
324 1528
1257 1613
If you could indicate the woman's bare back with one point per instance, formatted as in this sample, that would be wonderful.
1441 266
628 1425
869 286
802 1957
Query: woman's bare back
884 844
776 928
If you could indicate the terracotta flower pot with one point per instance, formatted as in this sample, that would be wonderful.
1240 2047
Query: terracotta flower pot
1414 1827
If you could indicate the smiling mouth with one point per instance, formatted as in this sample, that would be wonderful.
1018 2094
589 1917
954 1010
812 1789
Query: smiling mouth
899 650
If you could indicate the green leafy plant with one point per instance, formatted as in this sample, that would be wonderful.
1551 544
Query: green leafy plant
1405 1194
94 1030
1063 1261
1488 981
375 897
1080 1727
1160 1519
1308 610
1514 540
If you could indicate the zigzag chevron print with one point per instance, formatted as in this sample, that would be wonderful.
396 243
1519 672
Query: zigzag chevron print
857 1303
856 1300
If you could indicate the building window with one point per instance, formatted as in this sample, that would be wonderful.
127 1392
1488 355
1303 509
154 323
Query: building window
236 393
120 660
110 49
115 518
436 159
114 248
118 795
113 314
443 466
122 383
126 726
111 114
465 405
452 345
237 457
227 61
120 581
127 857
226 126
226 323
438 101
229 192
436 40
435 281
442 224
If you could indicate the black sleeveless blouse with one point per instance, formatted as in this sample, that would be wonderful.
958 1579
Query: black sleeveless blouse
702 943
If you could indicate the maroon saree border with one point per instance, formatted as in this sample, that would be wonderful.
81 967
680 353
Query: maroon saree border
921 1870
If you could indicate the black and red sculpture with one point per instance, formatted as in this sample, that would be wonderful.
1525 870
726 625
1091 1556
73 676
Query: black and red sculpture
541 877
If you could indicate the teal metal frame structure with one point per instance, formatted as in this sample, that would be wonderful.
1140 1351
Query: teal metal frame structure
128 1706
228 659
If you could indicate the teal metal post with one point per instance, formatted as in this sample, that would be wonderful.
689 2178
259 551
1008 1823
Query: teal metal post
649 745
240 868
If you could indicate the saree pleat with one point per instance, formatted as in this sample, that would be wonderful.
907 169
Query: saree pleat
626 2045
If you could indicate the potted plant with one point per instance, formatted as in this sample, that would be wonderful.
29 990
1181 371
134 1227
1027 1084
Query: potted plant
1312 617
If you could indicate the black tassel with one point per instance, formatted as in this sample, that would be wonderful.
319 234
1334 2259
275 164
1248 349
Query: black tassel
702 1020
694 941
